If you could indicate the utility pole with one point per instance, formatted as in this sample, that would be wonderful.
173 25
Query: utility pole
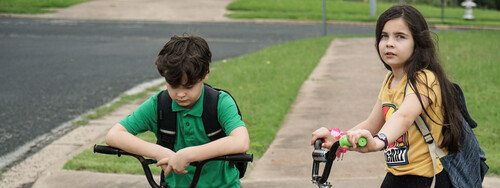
373 8
442 10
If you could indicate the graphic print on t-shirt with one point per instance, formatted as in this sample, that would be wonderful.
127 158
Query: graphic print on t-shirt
397 152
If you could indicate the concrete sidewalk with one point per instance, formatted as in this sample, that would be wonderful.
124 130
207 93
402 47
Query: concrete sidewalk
339 93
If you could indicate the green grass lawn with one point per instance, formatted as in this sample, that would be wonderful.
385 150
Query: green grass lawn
471 58
34 6
349 11
265 84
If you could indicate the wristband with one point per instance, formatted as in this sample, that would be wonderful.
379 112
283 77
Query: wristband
382 137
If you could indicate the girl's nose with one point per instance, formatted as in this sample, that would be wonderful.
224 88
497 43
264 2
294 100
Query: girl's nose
390 42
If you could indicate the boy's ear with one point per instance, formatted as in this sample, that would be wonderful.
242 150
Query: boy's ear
206 77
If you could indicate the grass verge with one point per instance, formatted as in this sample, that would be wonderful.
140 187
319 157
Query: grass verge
100 112
34 6
349 11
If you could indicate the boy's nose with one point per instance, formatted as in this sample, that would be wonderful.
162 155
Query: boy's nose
181 94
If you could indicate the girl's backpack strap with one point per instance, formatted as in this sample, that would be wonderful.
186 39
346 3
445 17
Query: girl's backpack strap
389 77
463 106
434 150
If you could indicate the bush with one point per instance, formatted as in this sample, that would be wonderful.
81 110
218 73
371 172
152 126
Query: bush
487 4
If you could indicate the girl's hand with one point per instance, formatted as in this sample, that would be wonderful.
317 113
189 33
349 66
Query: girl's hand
323 133
177 162
353 137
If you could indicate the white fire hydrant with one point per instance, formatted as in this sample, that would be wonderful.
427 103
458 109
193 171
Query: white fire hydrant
468 4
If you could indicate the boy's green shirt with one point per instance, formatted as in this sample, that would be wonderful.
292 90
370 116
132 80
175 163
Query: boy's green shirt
191 132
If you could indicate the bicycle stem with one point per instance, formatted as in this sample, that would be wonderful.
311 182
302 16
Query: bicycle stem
319 156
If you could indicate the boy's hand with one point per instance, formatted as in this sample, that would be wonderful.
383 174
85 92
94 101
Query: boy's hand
163 155
177 162
323 133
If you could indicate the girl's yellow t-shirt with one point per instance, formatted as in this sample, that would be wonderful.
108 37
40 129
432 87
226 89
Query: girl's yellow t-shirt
409 154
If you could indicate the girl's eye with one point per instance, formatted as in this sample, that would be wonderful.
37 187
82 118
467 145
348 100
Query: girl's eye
401 37
385 36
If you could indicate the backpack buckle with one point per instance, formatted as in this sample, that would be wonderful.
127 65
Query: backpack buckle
428 138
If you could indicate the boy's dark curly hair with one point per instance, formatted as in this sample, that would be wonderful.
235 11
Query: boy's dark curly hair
184 57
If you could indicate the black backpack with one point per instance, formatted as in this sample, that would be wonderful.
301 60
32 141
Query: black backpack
461 175
167 121
470 175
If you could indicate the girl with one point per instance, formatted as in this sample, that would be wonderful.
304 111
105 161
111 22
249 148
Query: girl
415 84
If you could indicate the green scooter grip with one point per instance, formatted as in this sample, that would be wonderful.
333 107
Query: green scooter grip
343 141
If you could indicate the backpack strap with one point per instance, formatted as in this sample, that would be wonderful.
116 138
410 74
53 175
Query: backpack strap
463 106
434 150
167 121
388 78
209 116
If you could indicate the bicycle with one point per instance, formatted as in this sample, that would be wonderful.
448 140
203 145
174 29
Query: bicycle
146 162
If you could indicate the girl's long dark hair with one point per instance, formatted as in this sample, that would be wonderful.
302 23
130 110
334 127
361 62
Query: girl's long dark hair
424 57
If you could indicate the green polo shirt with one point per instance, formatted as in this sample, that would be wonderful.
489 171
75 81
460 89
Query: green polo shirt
191 132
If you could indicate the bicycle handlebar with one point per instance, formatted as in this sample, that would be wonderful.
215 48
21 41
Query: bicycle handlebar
145 162
110 150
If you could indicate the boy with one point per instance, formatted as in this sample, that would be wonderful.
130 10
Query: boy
184 62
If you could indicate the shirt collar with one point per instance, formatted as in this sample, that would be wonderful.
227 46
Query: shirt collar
197 109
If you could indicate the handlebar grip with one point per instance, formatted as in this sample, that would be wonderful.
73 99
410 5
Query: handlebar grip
238 157
343 142
317 144
109 150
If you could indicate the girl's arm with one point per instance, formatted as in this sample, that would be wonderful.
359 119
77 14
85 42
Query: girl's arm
373 123
375 120
238 141
394 127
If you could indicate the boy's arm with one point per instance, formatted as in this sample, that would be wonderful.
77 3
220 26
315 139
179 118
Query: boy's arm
119 137
238 141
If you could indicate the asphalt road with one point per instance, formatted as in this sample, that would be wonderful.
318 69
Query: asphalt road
52 71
